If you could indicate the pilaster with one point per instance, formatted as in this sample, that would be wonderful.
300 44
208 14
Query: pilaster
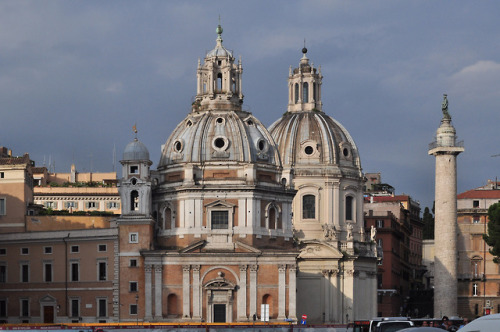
242 294
196 293
253 289
148 298
185 292
281 291
158 291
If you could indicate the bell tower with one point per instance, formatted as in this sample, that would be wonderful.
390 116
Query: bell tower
304 86
218 79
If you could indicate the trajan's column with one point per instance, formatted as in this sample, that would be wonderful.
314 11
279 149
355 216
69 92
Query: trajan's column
446 150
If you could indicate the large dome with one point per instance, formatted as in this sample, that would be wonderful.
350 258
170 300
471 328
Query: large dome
220 137
314 138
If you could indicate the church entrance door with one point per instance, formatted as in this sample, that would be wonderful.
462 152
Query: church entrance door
48 314
219 313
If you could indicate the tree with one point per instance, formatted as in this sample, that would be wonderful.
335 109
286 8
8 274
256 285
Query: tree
493 236
428 220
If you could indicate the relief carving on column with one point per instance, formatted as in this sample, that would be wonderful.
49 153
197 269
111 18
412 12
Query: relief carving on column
196 268
292 267
158 268
243 268
282 267
186 268
371 274
334 272
148 268
349 273
254 268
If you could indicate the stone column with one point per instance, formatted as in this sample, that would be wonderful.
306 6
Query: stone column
336 205
148 298
253 289
281 291
327 295
292 291
158 292
185 292
196 293
335 296
242 294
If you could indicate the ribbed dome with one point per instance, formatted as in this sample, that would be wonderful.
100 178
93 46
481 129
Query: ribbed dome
135 150
225 136
314 138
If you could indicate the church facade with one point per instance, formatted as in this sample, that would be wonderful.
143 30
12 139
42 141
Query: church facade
239 222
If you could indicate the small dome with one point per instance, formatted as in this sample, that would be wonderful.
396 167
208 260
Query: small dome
220 137
219 50
135 150
314 138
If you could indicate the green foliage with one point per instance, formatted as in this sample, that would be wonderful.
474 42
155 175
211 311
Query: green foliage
428 220
493 236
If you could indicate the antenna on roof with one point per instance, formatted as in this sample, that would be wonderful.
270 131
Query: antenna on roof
114 157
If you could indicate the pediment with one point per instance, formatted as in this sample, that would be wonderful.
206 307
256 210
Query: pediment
47 299
220 203
193 246
318 250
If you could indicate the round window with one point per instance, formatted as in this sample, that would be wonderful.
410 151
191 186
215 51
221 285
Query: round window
219 142
309 150
261 145
220 120
178 146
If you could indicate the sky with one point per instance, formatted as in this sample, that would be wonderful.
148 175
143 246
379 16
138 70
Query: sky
75 76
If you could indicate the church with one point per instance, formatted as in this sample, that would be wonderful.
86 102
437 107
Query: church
241 222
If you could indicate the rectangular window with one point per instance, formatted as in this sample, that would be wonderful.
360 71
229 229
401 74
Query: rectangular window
47 250
75 271
102 271
3 272
348 207
134 169
113 205
133 238
102 247
2 175
25 272
133 263
75 249
133 309
3 207
50 205
3 251
47 269
220 219
70 204
3 308
75 308
25 251
92 205
380 223
475 204
476 220
102 308
133 287
25 308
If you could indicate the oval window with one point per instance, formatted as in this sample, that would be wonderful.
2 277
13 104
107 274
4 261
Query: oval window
309 150
220 120
346 152
219 143
178 146
261 145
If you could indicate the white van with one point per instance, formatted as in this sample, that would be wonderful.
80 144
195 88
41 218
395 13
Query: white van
483 324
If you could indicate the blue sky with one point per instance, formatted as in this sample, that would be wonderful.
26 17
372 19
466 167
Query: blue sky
76 75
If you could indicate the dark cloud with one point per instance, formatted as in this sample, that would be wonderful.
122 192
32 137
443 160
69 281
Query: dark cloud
76 75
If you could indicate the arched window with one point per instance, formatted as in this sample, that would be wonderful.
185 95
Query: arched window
134 200
305 92
296 93
272 218
348 207
172 305
308 207
315 92
219 82
168 218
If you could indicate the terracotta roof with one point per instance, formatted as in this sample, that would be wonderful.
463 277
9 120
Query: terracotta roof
397 198
40 169
479 194
15 160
